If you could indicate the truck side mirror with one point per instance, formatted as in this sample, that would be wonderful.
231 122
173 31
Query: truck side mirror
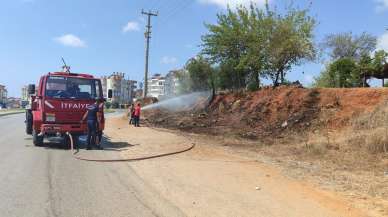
31 89
110 94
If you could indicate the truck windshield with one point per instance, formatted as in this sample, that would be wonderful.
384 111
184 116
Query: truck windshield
72 88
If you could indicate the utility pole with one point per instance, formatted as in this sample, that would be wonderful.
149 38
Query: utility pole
147 35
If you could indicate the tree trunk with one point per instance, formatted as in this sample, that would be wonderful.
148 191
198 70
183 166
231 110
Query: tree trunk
276 82
364 81
383 82
281 77
257 80
213 96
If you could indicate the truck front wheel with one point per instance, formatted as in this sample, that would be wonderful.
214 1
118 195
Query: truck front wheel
36 139
28 122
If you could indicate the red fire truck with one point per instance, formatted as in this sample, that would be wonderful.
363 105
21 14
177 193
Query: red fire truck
59 103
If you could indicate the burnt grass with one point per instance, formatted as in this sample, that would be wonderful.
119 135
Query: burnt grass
287 112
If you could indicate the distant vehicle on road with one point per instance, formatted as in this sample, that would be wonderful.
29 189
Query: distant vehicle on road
59 104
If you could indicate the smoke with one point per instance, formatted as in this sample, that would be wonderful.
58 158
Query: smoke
184 102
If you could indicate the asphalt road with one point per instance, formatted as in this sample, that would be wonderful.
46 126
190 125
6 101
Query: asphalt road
48 181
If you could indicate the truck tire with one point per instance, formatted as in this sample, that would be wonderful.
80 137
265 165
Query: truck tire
28 122
66 143
36 139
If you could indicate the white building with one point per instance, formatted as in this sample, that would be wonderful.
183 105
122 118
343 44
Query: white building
25 96
156 86
123 90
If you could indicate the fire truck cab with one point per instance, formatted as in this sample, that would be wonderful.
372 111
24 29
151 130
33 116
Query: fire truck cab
59 103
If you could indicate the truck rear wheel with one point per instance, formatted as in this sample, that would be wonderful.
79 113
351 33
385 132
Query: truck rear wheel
36 139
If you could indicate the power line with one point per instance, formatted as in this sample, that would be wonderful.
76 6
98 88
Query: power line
161 5
157 4
174 11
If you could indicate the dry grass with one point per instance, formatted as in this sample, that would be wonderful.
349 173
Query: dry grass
370 131
377 141
371 120
317 145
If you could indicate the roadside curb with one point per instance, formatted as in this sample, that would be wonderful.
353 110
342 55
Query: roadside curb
11 113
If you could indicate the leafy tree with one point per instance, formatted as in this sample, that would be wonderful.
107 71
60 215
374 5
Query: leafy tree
249 43
379 61
225 44
365 65
201 74
340 73
346 72
347 45
184 82
290 43
198 75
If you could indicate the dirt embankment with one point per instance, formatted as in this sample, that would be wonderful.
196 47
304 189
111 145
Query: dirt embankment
337 136
274 112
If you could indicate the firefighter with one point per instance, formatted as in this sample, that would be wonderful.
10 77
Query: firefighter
92 121
137 115
131 115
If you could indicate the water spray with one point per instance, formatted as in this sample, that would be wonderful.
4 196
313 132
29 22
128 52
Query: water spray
183 102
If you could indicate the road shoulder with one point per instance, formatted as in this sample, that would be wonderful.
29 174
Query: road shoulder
212 181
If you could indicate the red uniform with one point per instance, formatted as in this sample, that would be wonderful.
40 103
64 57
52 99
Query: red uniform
137 111
137 115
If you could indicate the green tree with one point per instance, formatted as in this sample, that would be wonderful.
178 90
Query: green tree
340 73
365 65
347 45
250 43
225 44
198 75
379 61
184 82
290 43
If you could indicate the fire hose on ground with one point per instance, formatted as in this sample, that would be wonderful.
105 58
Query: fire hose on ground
124 160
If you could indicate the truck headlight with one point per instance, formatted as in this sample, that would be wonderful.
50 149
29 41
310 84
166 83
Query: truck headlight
50 117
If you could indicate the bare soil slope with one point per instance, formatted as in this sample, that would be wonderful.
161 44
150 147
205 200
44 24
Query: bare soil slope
273 112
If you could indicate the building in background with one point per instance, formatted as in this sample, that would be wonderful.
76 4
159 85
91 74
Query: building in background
156 86
3 95
123 90
25 96
138 93
14 103
171 86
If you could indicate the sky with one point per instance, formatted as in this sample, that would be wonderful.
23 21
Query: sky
100 37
